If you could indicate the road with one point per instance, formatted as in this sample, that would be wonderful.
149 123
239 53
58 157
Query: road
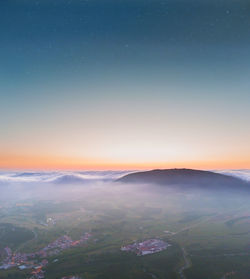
187 264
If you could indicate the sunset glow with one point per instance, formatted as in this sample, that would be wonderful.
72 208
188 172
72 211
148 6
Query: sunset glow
84 94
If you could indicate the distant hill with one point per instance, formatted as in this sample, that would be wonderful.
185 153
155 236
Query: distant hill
186 178
69 179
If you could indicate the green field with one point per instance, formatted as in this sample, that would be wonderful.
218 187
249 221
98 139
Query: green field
216 238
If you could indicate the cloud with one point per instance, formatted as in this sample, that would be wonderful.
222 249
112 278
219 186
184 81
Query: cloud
243 174
59 177
83 177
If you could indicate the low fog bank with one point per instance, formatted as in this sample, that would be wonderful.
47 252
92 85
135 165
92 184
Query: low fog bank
101 190
60 177
243 174
81 177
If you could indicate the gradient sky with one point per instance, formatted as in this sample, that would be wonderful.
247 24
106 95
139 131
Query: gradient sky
95 84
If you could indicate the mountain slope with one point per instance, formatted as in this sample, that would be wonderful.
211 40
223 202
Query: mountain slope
185 177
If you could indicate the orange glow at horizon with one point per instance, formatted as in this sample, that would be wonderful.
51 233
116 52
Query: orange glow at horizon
15 162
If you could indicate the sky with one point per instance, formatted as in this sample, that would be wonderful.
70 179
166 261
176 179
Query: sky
122 84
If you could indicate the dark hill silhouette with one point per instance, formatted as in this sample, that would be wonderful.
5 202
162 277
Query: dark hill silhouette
187 178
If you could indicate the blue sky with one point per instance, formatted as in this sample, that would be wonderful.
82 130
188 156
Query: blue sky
125 82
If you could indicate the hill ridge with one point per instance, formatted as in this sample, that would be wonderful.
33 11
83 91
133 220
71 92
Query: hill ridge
185 176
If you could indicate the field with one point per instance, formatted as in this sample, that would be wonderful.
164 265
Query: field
207 242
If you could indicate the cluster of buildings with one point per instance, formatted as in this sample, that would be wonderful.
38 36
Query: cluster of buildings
37 260
146 247
38 272
228 274
24 261
49 221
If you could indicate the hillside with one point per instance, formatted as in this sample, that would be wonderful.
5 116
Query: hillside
185 177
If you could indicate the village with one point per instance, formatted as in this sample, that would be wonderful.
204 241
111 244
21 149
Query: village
146 247
37 260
